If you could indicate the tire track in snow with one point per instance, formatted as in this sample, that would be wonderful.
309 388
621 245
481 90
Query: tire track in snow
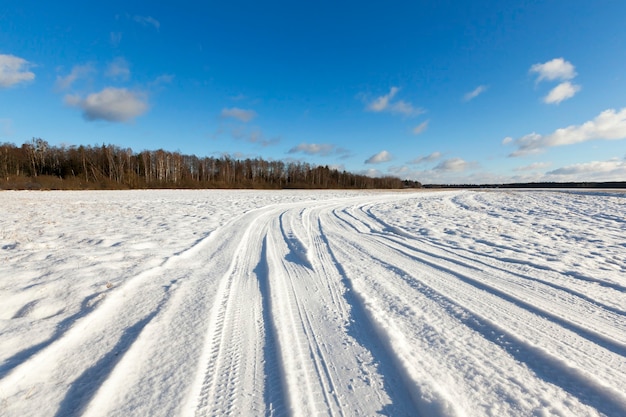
513 288
274 385
589 389
302 378
544 364
299 255
479 279
476 256
360 318
93 333
327 371
506 269
428 397
299 359
297 249
233 382
538 214
183 328
274 314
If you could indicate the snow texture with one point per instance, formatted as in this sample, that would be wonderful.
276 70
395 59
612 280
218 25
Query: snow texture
233 303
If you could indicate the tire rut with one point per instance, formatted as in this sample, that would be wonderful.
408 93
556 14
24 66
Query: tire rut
233 382
471 312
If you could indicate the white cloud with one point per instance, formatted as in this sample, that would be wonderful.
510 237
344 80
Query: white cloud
147 21
608 125
561 92
258 138
561 70
457 171
400 171
455 165
556 69
425 159
405 172
373 173
111 104
255 136
386 104
405 109
323 149
239 114
420 128
118 69
338 167
475 93
533 167
380 157
382 102
433 176
507 140
14 70
162 79
611 170
78 71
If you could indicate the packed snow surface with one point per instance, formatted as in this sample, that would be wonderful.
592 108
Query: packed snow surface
252 303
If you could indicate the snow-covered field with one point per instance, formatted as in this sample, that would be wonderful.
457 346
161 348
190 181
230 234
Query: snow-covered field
248 303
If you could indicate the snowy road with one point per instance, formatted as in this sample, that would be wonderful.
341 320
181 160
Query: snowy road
214 303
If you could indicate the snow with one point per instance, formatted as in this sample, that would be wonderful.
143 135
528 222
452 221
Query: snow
342 303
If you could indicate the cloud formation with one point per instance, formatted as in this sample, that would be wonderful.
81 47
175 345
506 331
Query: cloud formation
147 21
162 79
420 128
454 165
323 149
260 139
371 172
78 71
536 166
475 93
556 69
387 104
239 114
380 157
611 170
382 102
110 104
561 70
608 125
255 136
425 159
118 69
561 92
14 70
451 171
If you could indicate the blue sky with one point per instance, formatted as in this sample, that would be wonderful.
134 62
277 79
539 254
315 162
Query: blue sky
439 92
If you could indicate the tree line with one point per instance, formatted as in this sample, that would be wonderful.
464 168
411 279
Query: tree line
572 184
110 166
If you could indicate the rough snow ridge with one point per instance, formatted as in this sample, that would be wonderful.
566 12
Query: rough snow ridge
229 303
